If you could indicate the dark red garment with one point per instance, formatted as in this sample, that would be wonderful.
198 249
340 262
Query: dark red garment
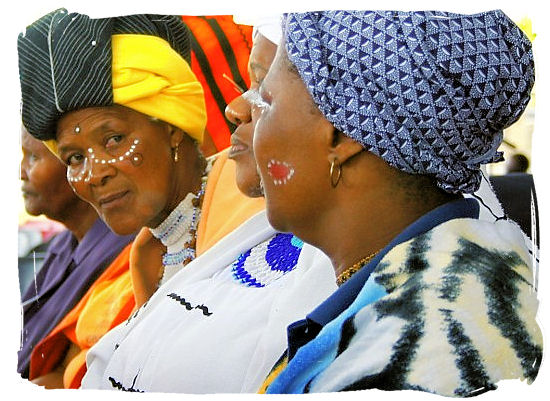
68 271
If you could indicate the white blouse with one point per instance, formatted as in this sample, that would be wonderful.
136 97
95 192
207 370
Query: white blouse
218 325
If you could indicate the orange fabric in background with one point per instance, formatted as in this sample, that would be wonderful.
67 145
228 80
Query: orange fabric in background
218 47
108 302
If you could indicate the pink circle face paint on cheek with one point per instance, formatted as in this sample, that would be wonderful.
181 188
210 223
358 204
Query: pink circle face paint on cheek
281 172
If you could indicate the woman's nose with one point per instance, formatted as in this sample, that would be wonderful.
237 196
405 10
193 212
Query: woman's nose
94 172
23 170
101 171
238 111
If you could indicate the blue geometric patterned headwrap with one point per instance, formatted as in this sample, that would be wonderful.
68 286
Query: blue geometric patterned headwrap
429 92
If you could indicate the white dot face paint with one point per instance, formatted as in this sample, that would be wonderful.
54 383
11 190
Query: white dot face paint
253 97
280 171
83 171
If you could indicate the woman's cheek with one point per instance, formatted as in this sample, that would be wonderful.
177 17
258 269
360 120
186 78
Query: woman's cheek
81 190
280 171
258 122
259 142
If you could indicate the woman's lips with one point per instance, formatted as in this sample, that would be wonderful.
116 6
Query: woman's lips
113 200
27 193
237 148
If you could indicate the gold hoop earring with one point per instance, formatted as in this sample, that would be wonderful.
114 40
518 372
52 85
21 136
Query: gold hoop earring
176 153
338 167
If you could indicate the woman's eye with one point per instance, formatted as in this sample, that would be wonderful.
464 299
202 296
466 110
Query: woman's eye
114 140
75 159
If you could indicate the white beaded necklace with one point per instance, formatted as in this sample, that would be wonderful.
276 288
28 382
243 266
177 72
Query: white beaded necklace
178 232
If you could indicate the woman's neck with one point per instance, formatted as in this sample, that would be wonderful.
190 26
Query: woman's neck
187 179
360 226
78 218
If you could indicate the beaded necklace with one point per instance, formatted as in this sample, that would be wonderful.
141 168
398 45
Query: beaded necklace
178 232
350 271
268 261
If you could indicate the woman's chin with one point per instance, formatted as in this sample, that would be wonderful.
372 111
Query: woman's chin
250 186
122 227
277 220
247 178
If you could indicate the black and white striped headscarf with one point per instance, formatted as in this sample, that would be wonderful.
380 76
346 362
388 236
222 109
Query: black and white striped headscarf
65 62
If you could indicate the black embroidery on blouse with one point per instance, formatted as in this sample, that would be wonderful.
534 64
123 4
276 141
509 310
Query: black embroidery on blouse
134 315
204 310
188 306
120 387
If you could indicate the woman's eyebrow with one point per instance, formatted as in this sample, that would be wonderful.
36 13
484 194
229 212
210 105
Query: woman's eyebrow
256 66
101 128
65 148
94 131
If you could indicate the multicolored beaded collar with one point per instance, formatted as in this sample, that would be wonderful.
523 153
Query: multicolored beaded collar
268 261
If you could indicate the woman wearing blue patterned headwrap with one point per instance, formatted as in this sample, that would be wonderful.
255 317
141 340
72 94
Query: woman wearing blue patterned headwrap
371 128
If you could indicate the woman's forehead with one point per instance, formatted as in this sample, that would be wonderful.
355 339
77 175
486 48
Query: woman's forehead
28 142
82 126
283 77
92 114
89 120
262 53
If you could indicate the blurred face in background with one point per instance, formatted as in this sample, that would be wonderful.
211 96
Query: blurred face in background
45 188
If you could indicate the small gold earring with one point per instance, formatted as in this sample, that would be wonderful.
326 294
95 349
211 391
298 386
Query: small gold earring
338 167
176 153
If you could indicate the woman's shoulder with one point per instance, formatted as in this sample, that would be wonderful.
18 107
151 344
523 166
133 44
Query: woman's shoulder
458 296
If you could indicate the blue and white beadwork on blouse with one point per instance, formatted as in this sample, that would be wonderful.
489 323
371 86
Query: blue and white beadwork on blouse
268 261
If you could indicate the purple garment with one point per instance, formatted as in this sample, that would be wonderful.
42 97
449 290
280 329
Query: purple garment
69 269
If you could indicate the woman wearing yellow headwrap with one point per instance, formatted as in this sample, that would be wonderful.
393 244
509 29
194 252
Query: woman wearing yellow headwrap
116 100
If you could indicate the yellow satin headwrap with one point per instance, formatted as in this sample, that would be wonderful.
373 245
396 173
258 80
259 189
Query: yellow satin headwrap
152 78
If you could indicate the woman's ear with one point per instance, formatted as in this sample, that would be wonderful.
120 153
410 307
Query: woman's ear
344 148
176 136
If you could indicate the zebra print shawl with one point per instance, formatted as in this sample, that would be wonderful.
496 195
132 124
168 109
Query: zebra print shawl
457 315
